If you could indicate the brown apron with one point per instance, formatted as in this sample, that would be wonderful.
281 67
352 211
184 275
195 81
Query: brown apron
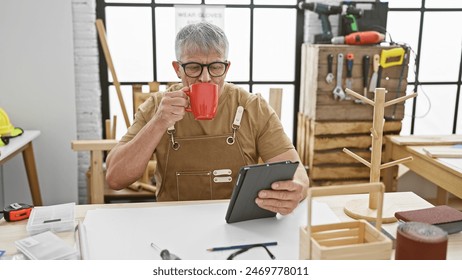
202 167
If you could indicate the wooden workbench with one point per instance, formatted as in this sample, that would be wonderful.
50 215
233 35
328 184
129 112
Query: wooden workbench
448 177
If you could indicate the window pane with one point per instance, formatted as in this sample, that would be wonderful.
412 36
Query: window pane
239 42
227 2
274 45
435 114
405 33
443 4
406 122
178 1
275 2
287 106
244 86
115 109
165 43
459 118
440 54
129 36
403 4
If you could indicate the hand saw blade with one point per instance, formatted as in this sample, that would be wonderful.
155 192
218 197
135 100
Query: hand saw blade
375 64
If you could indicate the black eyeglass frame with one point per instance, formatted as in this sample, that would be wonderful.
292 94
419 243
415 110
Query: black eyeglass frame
183 65
245 249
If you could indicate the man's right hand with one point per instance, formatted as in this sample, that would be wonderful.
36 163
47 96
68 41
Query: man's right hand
172 107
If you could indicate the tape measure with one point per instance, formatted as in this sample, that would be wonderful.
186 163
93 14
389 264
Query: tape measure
392 57
17 212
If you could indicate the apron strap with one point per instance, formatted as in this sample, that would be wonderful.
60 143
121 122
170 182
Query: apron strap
236 124
171 132
230 140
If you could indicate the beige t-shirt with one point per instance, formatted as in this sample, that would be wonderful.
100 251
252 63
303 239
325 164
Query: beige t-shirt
260 134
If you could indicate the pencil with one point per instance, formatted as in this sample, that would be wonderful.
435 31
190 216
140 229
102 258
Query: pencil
242 246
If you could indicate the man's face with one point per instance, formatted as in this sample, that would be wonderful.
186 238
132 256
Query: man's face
205 76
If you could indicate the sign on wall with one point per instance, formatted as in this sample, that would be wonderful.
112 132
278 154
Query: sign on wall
187 14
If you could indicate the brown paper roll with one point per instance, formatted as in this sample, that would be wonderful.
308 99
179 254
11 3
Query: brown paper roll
420 241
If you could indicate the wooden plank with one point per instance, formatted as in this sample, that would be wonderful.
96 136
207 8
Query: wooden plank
335 128
324 96
303 78
427 140
308 137
315 91
310 80
32 175
443 152
338 171
275 100
362 113
338 156
349 141
301 137
393 72
359 51
341 181
96 145
96 188
390 83
154 86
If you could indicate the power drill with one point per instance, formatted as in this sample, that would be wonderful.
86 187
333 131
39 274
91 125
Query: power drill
324 11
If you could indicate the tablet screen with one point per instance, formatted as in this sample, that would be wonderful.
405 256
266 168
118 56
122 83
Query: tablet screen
250 181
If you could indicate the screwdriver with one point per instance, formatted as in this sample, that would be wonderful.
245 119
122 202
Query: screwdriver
165 254
349 76
366 64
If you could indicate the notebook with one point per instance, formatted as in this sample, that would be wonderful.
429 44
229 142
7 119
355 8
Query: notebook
46 246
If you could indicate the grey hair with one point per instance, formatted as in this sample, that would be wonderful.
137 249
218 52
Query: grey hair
202 37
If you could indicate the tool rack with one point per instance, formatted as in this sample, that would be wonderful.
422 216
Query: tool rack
327 125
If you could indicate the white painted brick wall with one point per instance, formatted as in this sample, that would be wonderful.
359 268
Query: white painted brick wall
313 23
88 89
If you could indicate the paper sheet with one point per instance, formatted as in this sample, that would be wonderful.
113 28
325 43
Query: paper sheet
189 230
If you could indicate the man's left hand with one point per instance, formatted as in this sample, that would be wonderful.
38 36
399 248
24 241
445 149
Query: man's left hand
283 197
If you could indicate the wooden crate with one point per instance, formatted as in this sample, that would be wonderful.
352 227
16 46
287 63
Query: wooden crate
316 98
356 240
323 150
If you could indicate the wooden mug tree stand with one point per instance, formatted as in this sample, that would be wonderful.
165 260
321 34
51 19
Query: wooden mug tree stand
360 209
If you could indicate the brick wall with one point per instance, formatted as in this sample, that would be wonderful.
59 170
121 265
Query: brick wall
88 90
313 23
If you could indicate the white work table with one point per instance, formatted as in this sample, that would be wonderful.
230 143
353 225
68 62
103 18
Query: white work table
23 144
189 238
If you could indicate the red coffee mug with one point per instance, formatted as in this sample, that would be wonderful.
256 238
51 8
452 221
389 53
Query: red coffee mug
203 100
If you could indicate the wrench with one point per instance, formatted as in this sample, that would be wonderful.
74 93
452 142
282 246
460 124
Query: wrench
330 75
338 91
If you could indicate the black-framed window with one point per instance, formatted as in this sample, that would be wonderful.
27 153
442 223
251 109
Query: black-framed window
430 27
435 64
265 41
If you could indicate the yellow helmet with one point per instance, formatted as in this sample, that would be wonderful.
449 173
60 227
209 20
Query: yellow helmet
7 130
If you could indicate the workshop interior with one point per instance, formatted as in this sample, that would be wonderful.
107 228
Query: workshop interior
368 91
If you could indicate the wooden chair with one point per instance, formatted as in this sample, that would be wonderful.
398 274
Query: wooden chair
275 101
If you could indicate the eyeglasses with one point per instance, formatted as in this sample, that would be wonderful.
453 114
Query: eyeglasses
243 250
5 140
194 69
